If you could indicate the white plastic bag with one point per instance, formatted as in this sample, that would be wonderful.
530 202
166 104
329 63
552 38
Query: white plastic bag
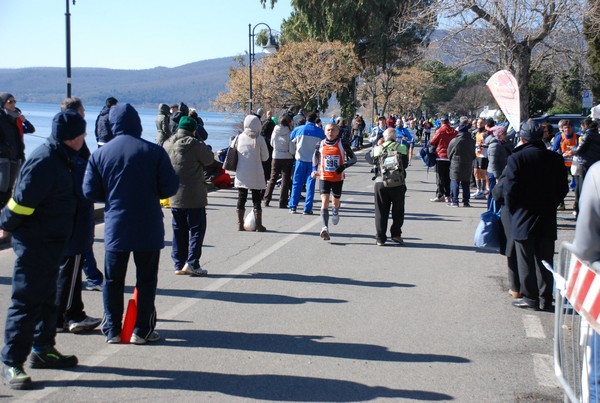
250 221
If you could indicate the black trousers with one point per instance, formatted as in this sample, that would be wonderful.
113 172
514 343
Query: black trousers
68 290
31 318
442 169
386 199
284 168
536 281
243 196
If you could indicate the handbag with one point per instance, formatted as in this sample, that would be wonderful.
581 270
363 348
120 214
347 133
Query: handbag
231 158
487 234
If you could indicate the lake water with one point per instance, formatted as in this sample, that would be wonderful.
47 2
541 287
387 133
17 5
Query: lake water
220 126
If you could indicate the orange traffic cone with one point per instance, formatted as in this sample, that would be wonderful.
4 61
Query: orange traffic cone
129 318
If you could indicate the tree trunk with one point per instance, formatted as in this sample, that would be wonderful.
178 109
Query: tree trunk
521 64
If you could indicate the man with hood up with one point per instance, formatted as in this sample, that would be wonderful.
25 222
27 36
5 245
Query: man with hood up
103 131
43 203
130 175
163 124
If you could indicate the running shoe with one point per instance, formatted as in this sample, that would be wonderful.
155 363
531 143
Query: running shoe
194 271
152 337
84 325
335 218
15 377
51 358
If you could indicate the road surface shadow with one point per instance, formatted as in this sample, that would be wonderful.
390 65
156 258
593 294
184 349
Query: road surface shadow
267 387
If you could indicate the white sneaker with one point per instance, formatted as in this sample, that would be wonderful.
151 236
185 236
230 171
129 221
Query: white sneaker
335 218
152 337
114 340
325 234
85 325
194 271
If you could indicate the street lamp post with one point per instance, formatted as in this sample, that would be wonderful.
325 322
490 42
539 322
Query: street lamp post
68 21
270 47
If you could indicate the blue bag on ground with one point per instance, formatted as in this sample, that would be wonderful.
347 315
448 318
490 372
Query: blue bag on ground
487 234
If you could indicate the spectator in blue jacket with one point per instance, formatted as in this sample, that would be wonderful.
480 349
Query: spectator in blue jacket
130 175
303 141
42 204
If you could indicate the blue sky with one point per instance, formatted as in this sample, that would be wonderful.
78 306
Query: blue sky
130 34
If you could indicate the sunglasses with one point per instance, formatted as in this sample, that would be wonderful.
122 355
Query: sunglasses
11 101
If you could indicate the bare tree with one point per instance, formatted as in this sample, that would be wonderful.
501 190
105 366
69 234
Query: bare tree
507 34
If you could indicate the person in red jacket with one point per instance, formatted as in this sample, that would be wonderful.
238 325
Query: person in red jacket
440 141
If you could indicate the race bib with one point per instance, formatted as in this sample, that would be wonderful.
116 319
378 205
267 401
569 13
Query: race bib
332 162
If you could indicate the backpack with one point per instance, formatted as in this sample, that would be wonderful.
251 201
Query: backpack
391 168
427 156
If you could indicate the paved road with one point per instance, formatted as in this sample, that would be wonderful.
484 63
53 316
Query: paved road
286 316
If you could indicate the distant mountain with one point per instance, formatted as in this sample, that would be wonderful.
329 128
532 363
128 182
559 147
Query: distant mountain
197 84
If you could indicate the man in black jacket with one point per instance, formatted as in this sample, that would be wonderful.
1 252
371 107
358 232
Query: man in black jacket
103 131
534 187
37 215
12 150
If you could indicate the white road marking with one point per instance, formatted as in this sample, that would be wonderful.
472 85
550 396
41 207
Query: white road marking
173 313
533 327
543 367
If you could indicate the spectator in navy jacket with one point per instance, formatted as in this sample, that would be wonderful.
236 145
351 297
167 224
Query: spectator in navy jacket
130 175
42 205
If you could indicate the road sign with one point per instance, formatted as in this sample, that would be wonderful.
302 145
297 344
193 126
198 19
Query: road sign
587 100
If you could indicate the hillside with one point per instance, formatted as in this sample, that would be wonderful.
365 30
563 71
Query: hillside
197 84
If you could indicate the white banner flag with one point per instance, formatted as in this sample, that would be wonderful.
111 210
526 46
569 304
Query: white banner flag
505 91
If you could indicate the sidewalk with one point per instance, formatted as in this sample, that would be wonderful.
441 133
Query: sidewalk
286 316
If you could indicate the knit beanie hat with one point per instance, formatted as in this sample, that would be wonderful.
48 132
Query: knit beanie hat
498 131
187 123
67 125
4 96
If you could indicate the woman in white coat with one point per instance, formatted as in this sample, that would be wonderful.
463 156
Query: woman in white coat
252 151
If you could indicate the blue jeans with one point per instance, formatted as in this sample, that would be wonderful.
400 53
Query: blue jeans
301 176
491 184
594 365
115 268
454 190
189 228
